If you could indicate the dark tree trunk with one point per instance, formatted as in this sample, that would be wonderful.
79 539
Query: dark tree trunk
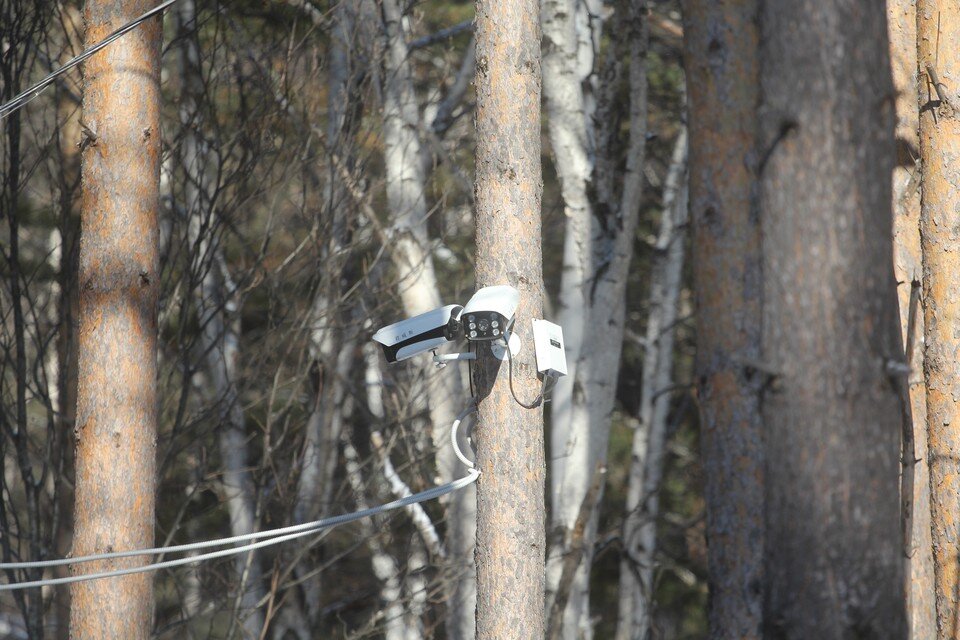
720 41
509 438
791 154
831 409
117 340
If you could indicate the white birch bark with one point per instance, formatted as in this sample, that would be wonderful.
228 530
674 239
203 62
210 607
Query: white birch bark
218 318
597 254
419 292
649 440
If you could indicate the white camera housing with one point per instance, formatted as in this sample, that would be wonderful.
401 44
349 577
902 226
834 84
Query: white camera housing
490 313
425 332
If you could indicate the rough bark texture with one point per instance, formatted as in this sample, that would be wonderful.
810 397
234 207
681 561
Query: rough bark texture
509 438
720 42
918 545
117 354
938 53
831 409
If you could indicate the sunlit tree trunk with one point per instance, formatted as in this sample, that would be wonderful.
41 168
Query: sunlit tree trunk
570 129
508 437
117 340
915 485
938 53
831 344
720 48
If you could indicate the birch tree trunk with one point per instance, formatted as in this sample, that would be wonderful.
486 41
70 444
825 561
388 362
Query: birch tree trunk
831 407
117 341
218 314
509 438
419 291
938 38
635 612
722 64
598 248
908 268
568 125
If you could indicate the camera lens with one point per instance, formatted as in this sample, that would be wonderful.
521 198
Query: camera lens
484 325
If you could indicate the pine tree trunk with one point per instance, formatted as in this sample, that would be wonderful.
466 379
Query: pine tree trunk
509 438
831 346
117 341
720 47
918 545
938 39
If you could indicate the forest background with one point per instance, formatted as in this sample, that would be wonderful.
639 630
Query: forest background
316 183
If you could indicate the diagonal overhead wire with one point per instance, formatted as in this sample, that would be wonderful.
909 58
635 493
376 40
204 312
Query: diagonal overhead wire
34 91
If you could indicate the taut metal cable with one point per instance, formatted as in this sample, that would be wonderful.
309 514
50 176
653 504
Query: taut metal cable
276 536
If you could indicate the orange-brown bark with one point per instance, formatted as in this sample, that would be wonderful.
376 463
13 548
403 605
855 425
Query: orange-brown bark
509 438
938 62
119 279
915 485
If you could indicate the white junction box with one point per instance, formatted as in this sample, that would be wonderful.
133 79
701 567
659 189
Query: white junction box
548 343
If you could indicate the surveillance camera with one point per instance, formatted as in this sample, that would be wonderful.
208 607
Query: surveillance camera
427 331
489 313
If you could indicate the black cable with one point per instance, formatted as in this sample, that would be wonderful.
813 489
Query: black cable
470 373
538 401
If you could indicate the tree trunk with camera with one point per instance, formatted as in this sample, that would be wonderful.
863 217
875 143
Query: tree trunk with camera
508 437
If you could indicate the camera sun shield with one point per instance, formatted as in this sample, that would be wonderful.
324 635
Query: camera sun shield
490 313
